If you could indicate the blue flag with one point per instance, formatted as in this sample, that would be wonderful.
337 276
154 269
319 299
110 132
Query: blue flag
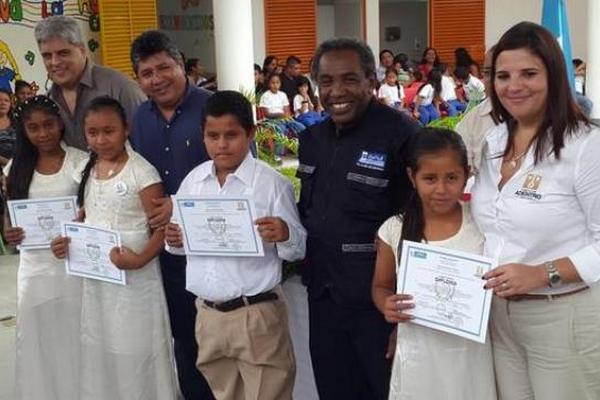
554 18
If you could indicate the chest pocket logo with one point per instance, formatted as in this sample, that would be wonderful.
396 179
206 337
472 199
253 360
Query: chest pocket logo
530 187
372 160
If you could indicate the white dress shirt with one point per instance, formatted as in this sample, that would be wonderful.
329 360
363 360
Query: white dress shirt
392 94
473 128
274 102
426 92
474 89
448 88
225 278
543 212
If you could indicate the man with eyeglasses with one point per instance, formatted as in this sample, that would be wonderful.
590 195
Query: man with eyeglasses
167 131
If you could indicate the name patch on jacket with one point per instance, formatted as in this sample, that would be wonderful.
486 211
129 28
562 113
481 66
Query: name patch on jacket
530 187
372 160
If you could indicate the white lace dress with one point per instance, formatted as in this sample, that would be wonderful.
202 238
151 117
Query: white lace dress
48 306
429 364
125 334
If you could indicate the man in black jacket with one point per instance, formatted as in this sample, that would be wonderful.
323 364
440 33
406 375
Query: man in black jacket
353 178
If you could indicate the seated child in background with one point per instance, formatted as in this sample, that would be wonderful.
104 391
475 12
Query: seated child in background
473 87
242 323
305 111
390 92
23 91
448 95
274 103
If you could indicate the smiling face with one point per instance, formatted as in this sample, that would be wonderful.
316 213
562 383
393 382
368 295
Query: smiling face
439 181
430 56
44 130
163 79
64 61
105 133
344 88
521 84
227 142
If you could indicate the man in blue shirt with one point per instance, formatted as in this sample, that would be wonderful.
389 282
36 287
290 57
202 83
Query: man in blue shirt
167 131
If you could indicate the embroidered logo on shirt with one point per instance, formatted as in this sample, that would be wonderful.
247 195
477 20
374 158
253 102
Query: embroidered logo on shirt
530 187
372 160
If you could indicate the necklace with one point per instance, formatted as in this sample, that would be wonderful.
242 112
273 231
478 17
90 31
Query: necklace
513 162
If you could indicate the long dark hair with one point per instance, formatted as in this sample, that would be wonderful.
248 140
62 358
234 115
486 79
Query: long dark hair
436 61
26 154
562 115
266 62
426 142
97 104
435 80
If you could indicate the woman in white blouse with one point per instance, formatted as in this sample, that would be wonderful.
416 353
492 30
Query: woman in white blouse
537 201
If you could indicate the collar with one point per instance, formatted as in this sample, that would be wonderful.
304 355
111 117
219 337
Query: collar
485 107
244 172
364 119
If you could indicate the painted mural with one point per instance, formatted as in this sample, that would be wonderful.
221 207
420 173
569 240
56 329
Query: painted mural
19 55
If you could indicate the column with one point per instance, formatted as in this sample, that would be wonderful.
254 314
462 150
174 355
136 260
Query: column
372 26
234 47
592 84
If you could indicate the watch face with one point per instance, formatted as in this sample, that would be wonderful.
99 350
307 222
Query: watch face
554 278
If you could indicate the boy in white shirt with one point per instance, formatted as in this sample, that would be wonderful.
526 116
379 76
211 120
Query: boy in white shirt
245 347
473 87
274 103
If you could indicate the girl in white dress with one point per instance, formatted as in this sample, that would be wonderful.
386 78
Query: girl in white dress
429 364
125 334
48 300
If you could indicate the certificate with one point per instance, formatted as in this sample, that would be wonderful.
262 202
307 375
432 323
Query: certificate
41 219
218 226
447 289
89 250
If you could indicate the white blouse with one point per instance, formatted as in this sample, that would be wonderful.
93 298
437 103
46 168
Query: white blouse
545 211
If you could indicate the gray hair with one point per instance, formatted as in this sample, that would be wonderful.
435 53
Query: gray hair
58 26
364 52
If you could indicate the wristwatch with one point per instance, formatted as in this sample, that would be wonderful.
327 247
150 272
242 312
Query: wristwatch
553 274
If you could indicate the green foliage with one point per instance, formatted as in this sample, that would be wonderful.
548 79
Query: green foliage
446 122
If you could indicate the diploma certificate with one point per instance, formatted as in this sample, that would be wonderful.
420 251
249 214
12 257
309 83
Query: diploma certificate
447 289
89 250
218 226
41 219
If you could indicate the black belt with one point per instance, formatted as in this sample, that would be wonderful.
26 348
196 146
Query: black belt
242 301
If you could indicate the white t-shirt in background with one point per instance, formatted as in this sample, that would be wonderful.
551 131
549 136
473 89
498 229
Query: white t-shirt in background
274 102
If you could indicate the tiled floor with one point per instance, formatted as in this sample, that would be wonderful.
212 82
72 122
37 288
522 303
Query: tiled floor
8 280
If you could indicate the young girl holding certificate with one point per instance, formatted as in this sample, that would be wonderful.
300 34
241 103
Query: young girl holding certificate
429 364
48 301
125 336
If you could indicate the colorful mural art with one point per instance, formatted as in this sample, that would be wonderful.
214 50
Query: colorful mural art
19 56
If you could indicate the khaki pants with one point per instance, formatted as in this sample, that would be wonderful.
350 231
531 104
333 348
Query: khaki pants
246 353
548 349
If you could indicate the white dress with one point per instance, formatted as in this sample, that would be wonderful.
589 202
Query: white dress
48 306
126 339
429 364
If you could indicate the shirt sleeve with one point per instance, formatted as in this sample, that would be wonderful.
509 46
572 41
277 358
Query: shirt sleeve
284 99
285 208
130 97
297 104
264 100
587 190
183 188
145 174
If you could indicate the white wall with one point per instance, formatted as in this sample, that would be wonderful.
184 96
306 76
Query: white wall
18 43
347 19
502 14
325 22
191 27
411 17
258 29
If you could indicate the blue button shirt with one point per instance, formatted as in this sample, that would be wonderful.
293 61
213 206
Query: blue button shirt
174 147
